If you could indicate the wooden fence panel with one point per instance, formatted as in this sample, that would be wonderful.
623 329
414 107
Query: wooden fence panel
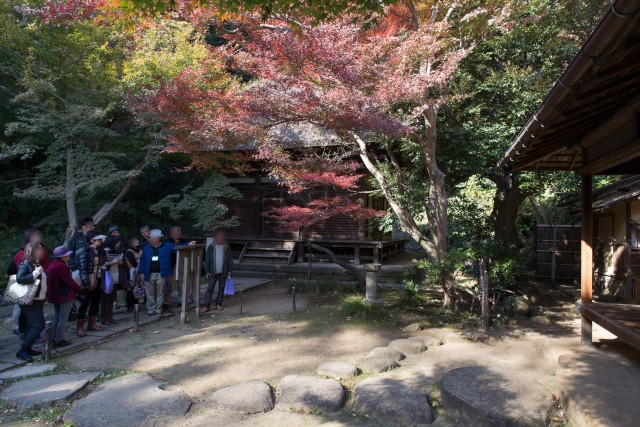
564 262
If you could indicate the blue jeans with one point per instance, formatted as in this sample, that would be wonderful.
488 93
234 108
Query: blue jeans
60 316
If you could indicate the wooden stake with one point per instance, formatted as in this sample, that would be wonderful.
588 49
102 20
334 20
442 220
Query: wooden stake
196 285
48 340
293 296
241 300
136 317
484 295
185 276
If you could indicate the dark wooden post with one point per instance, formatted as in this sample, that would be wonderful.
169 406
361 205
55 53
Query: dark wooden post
553 253
48 340
241 300
586 257
293 298
136 317
484 295
629 291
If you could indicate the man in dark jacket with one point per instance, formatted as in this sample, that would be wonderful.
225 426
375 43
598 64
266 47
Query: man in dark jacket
218 265
79 241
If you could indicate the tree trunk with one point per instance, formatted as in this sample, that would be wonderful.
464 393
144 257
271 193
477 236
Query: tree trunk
542 218
437 205
506 204
108 208
70 189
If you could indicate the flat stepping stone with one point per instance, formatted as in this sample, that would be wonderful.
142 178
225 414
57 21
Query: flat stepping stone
250 397
392 402
131 400
483 396
598 391
387 351
301 393
427 340
407 346
27 371
376 364
337 370
42 392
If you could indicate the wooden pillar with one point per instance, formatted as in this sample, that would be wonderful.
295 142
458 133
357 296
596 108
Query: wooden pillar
586 255
629 291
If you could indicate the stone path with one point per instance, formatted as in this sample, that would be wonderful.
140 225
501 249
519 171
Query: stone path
9 343
132 400
42 392
337 370
249 397
484 396
310 394
27 371
391 402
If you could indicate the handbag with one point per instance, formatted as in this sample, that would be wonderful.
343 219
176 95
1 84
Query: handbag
73 313
228 287
18 293
107 282
139 289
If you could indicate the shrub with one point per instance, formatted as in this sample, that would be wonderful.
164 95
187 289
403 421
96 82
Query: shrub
355 306
411 288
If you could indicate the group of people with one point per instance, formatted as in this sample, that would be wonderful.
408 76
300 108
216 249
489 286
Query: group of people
85 275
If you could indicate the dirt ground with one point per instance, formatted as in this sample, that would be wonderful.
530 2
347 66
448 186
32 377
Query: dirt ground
269 341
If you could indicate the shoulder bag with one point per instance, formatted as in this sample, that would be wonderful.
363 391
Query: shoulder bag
18 293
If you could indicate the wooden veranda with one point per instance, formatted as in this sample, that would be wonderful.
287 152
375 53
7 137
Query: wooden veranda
590 124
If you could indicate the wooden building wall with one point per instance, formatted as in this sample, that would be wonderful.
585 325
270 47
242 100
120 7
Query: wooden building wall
617 251
262 195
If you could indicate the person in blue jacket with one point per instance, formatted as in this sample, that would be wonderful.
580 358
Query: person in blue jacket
154 267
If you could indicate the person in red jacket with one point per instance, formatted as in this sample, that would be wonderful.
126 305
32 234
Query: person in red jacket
61 292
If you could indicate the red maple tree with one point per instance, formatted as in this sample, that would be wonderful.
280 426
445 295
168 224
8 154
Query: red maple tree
377 88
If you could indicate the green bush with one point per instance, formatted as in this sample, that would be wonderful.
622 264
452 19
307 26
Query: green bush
355 306
411 288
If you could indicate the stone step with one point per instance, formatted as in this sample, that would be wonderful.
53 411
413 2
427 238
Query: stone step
483 396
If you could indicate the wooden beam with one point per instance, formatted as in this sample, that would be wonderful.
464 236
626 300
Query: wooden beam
586 257
627 152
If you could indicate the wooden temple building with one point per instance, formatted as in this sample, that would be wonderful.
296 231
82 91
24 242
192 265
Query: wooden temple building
590 124
259 238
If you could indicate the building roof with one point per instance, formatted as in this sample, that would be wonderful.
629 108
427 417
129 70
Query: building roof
628 188
602 79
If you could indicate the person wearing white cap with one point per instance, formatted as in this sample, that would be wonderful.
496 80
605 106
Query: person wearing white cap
154 268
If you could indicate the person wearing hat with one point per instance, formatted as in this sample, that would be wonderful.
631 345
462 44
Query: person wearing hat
61 292
89 260
154 268
114 230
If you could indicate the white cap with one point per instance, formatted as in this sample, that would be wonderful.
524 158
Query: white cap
99 237
155 233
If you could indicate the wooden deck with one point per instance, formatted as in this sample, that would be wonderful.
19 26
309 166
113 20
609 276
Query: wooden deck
622 320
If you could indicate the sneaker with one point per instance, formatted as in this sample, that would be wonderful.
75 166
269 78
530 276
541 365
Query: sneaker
151 313
61 343
219 307
158 313
192 300
204 310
